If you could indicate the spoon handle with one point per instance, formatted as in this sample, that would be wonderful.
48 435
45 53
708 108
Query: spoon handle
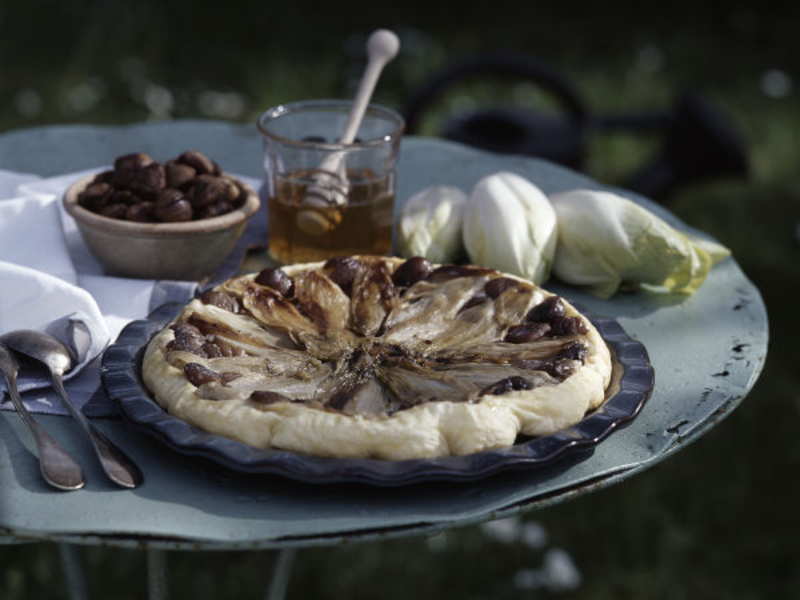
57 467
116 464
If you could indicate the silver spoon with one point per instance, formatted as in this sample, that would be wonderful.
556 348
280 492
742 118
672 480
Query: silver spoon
57 467
48 350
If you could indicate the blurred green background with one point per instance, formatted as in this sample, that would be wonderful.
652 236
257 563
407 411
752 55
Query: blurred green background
719 519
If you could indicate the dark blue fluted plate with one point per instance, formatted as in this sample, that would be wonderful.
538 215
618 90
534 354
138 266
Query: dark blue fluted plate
121 376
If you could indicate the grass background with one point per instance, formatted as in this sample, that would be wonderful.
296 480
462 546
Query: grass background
719 519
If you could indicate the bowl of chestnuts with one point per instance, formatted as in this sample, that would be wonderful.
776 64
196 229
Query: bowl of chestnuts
176 220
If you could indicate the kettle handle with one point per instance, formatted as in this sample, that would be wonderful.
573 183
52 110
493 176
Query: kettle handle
511 65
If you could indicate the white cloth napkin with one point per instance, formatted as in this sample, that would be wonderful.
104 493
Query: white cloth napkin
51 282
39 283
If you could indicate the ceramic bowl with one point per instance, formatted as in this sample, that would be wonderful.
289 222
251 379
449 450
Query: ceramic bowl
189 250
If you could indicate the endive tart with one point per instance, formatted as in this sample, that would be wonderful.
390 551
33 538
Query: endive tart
375 357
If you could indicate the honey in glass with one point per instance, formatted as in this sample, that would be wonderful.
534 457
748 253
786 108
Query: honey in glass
361 226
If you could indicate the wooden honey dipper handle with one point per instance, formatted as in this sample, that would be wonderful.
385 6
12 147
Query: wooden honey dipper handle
330 187
382 46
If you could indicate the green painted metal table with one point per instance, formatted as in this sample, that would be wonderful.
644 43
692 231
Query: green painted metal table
707 351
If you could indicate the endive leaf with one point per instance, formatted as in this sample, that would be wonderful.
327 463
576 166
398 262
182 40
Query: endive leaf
430 224
510 225
605 240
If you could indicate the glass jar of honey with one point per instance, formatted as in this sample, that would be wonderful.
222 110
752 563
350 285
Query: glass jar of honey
327 199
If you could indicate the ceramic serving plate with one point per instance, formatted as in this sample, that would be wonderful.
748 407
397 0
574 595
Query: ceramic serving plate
631 386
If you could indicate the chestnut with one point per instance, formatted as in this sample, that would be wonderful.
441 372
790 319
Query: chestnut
173 206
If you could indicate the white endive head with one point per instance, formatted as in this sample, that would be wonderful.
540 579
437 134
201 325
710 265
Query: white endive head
510 225
605 240
430 224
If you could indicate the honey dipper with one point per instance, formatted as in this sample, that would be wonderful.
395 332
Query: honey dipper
330 186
